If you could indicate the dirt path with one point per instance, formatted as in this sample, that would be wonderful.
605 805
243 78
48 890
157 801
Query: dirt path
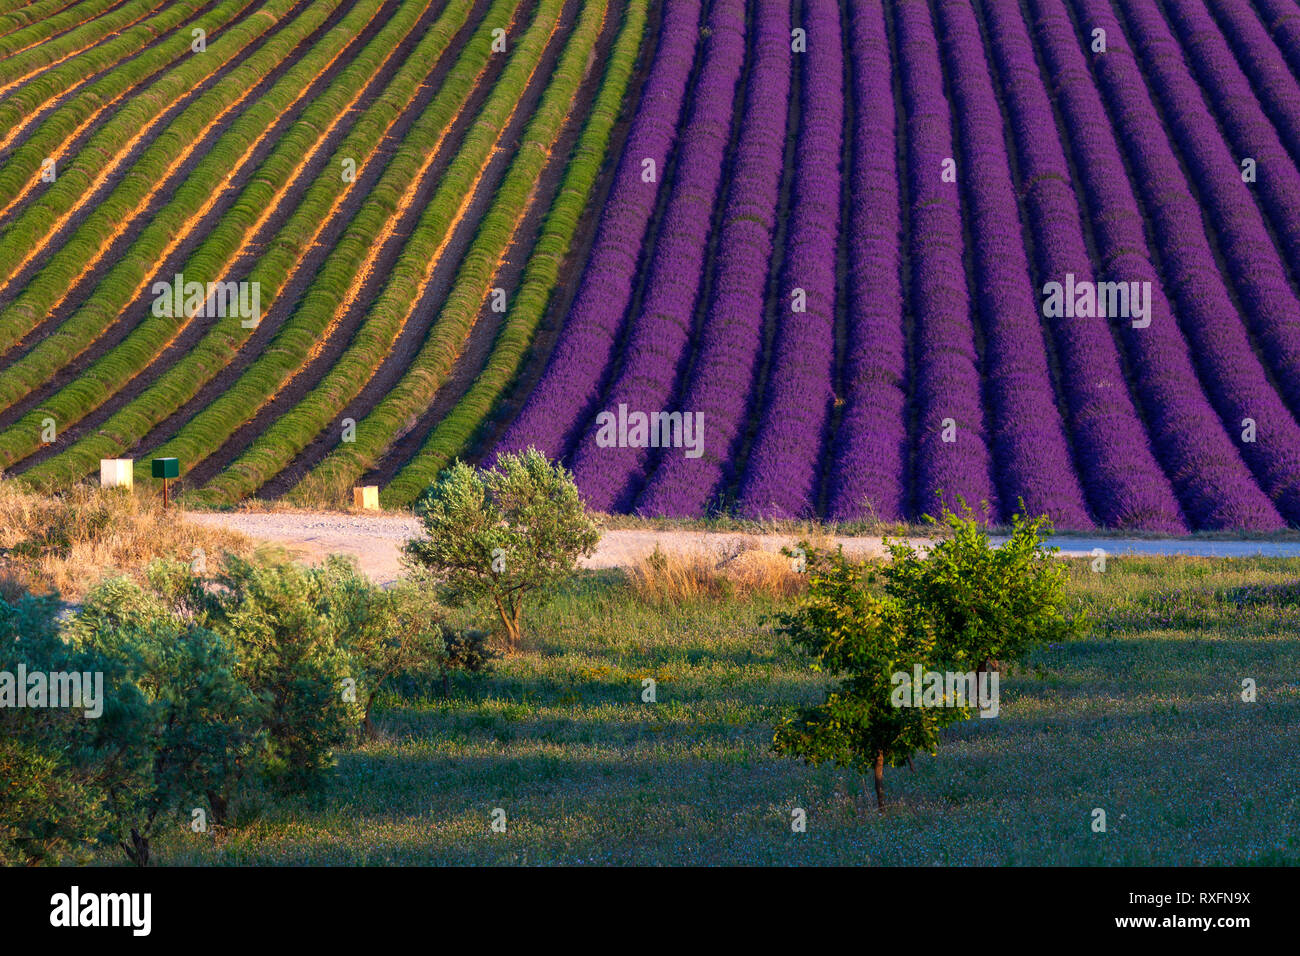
376 540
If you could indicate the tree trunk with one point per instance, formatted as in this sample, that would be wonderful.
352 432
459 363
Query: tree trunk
138 851
880 781
510 620
220 807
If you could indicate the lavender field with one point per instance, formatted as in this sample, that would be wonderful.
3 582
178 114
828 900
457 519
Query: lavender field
856 259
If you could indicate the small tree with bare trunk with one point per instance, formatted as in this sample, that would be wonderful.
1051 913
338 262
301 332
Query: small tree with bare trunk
495 536
963 605
865 640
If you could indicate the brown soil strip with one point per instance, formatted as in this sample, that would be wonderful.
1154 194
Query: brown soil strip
472 358
368 175
16 136
557 309
424 312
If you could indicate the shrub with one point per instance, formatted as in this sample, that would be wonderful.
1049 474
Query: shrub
180 724
279 620
385 632
495 536
50 807
208 688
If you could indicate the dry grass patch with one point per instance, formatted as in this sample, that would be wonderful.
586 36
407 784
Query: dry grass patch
69 542
736 568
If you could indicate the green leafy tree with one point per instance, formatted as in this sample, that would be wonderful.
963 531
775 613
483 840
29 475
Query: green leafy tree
495 536
51 806
962 605
861 640
179 724
985 604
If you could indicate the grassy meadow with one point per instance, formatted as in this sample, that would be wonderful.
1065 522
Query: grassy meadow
1143 718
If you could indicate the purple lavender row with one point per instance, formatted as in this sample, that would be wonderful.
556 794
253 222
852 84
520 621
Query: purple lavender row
1124 484
951 451
568 390
1253 260
609 473
1248 129
722 380
782 473
1030 451
870 458
1283 23
1208 474
1269 438
1270 77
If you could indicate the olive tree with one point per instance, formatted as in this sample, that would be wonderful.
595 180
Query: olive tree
495 536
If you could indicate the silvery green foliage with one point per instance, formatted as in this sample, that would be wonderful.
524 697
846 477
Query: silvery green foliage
494 536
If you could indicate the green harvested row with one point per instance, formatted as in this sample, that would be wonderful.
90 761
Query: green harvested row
76 179
290 433
54 82
114 369
37 30
418 385
14 66
285 251
308 326
16 14
541 276
20 170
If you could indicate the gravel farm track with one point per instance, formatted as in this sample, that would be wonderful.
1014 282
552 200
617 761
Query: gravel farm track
375 541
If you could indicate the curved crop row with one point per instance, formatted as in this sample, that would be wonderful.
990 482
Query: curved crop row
1125 485
1030 453
24 106
340 279
781 475
1230 369
16 14
1282 19
286 250
1247 128
658 336
869 463
455 431
571 384
79 182
425 373
1270 78
130 278
1207 472
43 30
1254 262
19 67
951 455
722 378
